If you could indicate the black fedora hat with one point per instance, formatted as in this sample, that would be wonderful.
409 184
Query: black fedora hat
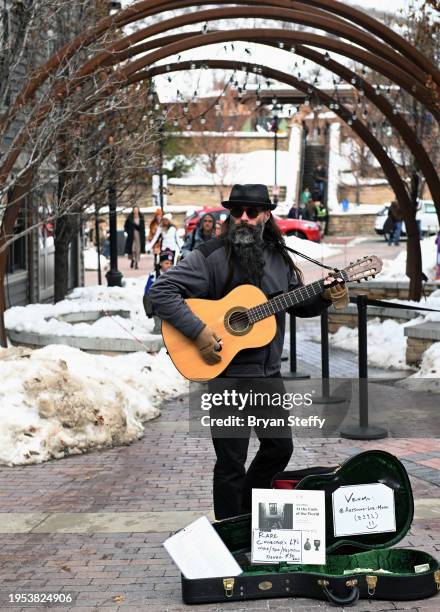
249 195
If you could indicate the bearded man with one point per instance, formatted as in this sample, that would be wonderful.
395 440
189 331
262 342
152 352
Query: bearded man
251 250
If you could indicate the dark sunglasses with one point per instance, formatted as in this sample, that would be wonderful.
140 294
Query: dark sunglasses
251 211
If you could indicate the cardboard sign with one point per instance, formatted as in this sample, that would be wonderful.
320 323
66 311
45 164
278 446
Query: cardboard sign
363 509
288 526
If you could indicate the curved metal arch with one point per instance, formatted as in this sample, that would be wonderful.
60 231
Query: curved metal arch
387 165
394 74
152 7
385 162
319 21
181 40
394 40
381 102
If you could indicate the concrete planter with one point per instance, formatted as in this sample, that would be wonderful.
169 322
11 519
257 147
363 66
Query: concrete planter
419 339
107 346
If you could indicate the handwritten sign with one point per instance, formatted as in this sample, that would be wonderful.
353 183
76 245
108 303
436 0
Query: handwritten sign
288 526
363 509
278 545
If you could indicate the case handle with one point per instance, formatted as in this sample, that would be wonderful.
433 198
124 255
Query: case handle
351 598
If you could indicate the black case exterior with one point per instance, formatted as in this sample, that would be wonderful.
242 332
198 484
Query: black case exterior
343 591
283 580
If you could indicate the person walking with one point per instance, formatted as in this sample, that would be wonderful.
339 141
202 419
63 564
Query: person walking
396 216
304 199
251 250
204 230
154 224
167 233
135 242
321 217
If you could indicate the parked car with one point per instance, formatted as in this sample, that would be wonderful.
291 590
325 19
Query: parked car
427 215
308 230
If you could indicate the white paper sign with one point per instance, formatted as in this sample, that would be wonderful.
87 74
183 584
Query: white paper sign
362 509
288 526
199 552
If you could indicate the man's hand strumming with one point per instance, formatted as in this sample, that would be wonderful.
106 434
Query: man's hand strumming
209 343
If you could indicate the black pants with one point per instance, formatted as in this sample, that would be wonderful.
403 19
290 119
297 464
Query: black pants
232 484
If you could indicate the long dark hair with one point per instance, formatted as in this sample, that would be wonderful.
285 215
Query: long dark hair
273 236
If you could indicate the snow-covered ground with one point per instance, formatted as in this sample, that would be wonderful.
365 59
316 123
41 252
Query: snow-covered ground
386 343
60 401
41 318
312 249
91 259
427 378
394 269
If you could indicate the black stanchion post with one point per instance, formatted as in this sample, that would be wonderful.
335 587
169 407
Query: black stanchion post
325 368
292 337
326 398
364 431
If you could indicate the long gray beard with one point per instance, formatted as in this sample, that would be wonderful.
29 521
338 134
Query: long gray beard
247 244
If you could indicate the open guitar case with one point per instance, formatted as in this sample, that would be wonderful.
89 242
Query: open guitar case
332 581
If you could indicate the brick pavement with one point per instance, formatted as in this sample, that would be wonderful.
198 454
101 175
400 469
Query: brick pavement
119 571
166 470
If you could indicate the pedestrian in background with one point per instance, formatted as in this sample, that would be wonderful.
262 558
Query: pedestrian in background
167 233
293 212
395 214
135 242
304 199
321 217
166 259
311 210
203 231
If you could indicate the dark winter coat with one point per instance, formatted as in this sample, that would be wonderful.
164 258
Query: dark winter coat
203 274
129 228
196 238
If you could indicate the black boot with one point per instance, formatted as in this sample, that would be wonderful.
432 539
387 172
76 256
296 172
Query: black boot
131 263
136 266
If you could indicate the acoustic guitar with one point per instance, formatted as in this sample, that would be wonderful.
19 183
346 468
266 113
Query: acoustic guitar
244 319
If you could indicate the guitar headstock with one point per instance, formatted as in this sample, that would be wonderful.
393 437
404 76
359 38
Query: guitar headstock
363 268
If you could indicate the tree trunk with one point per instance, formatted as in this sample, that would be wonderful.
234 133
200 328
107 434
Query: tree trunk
413 252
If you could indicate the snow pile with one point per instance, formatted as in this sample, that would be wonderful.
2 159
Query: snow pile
91 259
392 353
312 249
389 355
395 269
427 378
60 401
42 318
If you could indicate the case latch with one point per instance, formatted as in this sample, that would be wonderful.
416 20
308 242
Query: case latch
228 583
371 582
437 579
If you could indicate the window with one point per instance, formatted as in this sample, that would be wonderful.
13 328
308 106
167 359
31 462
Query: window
272 509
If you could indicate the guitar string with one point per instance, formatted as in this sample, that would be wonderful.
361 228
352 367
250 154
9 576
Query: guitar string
261 309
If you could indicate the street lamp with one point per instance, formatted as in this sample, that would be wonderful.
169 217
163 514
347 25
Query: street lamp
113 276
274 128
161 130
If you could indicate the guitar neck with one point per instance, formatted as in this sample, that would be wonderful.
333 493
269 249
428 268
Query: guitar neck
285 300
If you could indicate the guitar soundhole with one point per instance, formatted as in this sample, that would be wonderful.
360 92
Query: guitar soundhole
239 321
